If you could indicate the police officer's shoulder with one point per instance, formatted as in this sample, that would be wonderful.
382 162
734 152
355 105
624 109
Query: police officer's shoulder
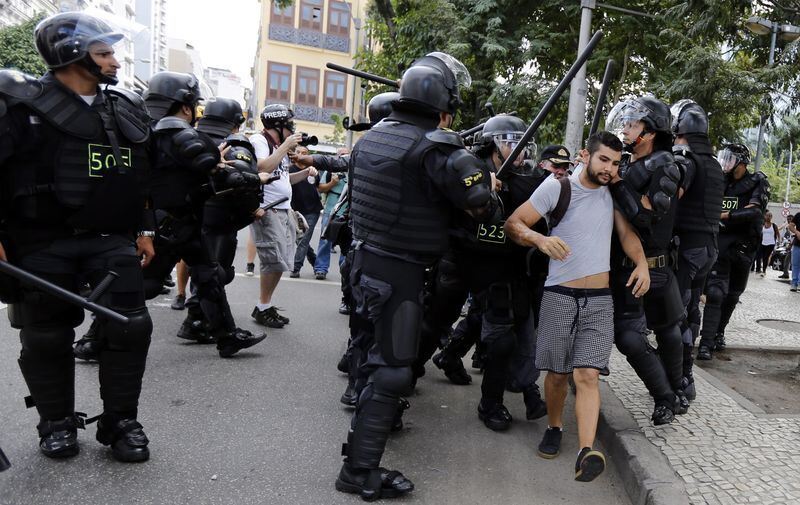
446 137
760 177
17 85
171 123
132 116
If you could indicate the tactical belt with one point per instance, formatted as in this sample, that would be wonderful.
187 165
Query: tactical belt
652 262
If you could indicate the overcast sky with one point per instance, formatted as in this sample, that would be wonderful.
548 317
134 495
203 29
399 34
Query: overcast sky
225 35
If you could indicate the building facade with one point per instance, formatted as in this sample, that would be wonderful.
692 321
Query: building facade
226 84
152 50
14 12
294 45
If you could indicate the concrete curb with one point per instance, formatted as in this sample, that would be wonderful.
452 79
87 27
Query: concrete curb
648 477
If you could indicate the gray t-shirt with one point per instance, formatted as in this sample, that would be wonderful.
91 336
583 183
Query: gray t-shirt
586 228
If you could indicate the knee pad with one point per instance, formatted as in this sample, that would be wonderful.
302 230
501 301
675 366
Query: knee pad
134 336
392 380
209 280
632 343
500 347
46 341
228 275
714 295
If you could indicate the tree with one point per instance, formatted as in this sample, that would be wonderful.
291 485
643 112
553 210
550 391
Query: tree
337 137
516 51
17 50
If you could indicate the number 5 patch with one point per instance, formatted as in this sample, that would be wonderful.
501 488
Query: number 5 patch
494 233
101 158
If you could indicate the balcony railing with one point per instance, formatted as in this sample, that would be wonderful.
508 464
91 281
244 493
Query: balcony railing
309 38
312 113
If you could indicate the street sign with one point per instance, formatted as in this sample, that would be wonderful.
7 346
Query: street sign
786 205
785 212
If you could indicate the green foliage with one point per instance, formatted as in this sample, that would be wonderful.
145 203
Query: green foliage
17 50
517 50
338 131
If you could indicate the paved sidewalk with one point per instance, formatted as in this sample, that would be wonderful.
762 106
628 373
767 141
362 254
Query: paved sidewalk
725 453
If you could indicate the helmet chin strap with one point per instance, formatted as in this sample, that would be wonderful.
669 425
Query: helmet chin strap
89 64
630 147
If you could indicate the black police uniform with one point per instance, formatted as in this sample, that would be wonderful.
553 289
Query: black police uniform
73 195
697 228
402 197
739 238
657 177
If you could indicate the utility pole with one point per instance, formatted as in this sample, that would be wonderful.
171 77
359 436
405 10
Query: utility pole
576 114
774 31
356 85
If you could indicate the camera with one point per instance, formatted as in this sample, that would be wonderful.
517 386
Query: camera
308 140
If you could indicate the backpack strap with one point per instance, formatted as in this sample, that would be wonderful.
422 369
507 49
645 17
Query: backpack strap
564 196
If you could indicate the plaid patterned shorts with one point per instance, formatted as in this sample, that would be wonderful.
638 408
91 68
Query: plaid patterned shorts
576 329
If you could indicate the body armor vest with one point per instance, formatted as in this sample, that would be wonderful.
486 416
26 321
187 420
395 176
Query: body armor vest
700 208
737 196
64 171
391 207
174 183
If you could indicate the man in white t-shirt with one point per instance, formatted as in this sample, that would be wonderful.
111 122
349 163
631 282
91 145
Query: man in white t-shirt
274 229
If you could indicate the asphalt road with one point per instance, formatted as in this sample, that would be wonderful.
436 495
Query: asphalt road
266 427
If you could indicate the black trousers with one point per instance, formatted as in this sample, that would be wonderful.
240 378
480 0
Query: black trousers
47 324
726 283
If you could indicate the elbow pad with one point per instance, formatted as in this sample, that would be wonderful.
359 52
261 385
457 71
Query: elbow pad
469 171
627 202
667 178
196 150
744 215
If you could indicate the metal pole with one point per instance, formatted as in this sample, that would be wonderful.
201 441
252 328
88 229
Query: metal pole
349 134
763 119
788 173
601 98
576 114
550 103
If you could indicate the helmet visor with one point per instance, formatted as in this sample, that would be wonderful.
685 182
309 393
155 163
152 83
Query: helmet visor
506 142
727 160
463 79
677 107
624 114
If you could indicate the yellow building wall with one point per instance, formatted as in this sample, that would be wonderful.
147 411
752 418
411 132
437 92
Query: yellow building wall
310 57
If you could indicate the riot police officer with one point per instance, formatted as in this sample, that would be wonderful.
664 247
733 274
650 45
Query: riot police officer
185 174
497 272
745 199
236 195
73 171
697 223
407 177
647 195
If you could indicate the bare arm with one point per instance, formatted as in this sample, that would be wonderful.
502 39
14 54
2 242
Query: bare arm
632 245
324 187
271 162
302 175
518 227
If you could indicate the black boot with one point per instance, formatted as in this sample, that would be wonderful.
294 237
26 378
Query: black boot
88 347
688 388
59 438
402 406
665 410
495 416
126 438
719 342
344 363
229 343
704 353
195 329
535 407
350 397
453 368
373 484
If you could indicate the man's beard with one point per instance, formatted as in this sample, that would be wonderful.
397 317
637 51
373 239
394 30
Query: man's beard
593 177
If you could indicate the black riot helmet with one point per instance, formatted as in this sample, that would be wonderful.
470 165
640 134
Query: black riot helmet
732 155
63 39
276 117
688 117
501 131
651 111
378 109
220 117
433 81
170 88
